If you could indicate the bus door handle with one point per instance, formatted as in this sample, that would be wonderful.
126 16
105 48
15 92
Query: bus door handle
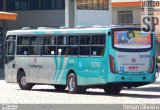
13 66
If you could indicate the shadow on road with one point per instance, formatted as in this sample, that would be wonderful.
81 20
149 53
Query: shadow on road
49 90
146 89
132 95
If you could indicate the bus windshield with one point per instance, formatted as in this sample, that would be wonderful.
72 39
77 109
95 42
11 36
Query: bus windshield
132 39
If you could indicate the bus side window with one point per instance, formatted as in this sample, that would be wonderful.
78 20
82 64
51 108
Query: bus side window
23 45
49 43
73 45
85 45
98 45
62 45
36 43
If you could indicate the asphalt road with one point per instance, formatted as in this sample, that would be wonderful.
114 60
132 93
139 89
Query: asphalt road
45 94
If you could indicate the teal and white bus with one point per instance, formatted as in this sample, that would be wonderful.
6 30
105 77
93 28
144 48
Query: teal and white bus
109 58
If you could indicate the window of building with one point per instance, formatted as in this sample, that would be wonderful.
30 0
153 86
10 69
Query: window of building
18 5
106 4
125 17
1 5
53 4
93 4
21 5
45 4
36 43
10 5
49 47
34 4
60 4
85 4
23 45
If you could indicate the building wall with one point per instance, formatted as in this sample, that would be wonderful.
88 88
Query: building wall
93 17
42 18
136 14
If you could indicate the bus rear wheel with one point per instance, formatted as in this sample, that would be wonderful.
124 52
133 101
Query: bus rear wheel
112 89
60 87
23 83
73 88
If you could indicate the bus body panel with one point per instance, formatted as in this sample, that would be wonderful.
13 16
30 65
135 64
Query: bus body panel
142 61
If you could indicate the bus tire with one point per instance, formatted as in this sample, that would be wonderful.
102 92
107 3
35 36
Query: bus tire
73 88
22 82
60 87
112 89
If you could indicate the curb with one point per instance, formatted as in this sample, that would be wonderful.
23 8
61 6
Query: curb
157 82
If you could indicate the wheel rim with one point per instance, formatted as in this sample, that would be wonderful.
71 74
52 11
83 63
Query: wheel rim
23 80
72 84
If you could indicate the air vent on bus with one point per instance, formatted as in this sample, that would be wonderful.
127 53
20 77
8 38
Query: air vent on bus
46 28
98 26
115 26
25 28
63 27
80 26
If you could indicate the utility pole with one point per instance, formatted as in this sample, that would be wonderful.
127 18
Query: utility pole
70 13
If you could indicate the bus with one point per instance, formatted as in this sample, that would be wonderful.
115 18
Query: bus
109 58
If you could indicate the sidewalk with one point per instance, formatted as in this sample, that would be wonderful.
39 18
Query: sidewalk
157 79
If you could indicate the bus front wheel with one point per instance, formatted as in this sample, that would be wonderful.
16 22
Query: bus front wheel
73 88
23 83
112 89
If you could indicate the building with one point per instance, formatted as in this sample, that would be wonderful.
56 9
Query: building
93 12
126 12
56 13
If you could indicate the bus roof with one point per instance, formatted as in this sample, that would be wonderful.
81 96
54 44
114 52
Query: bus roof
42 31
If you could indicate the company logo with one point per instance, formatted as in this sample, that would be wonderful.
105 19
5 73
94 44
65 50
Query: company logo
133 60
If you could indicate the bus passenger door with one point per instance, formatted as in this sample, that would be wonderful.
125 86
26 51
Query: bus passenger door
10 64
